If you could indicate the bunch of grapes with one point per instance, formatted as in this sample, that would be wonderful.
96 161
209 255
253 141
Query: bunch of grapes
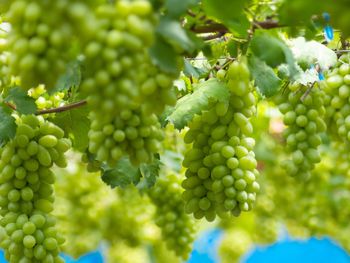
81 208
5 76
303 110
177 227
234 244
89 213
124 88
129 208
41 37
26 192
221 166
337 99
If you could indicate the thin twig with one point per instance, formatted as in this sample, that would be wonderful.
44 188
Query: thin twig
11 105
220 28
307 92
54 110
63 108
214 36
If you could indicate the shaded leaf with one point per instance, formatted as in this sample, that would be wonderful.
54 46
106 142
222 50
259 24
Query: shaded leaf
71 78
164 56
24 103
272 50
230 13
75 122
177 8
7 125
172 31
122 175
264 76
194 103
149 173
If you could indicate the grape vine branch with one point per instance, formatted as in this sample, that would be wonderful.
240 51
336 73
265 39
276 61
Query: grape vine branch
54 110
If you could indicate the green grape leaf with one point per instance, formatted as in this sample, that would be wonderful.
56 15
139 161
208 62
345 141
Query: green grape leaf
24 103
194 103
177 8
264 76
76 124
122 175
164 55
149 173
193 71
71 78
272 50
163 117
230 13
175 34
7 124
311 52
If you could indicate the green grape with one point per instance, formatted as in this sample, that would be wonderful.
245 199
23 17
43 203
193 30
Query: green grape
26 204
303 113
221 167
177 227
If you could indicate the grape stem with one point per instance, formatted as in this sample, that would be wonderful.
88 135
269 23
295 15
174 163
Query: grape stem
220 28
54 110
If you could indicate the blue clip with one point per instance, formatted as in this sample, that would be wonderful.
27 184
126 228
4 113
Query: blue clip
320 76
326 16
328 33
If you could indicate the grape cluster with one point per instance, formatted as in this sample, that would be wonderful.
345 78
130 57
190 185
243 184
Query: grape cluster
41 37
337 99
177 227
81 206
5 76
303 110
221 166
26 193
131 209
124 88
89 212
234 244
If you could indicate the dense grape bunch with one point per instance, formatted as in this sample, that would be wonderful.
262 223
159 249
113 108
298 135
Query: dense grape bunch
221 166
337 99
303 111
5 76
41 37
177 227
124 89
28 232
